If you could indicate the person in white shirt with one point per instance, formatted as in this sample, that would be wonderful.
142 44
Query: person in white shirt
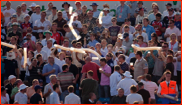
61 58
49 9
48 47
140 32
53 16
42 24
173 44
24 8
126 83
150 86
54 96
131 98
19 14
4 96
104 46
106 19
66 6
40 51
21 97
47 35
76 24
48 89
8 13
95 11
114 80
140 16
127 22
72 98
166 12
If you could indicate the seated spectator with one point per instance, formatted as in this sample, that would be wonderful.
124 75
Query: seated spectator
29 30
168 17
19 14
66 6
177 20
120 98
24 8
131 28
48 47
32 6
134 96
21 96
93 42
39 50
49 9
140 41
47 35
53 15
14 32
144 93
36 98
140 5
78 7
127 40
95 11
105 35
84 34
98 29
55 35
173 44
83 16
139 31
166 12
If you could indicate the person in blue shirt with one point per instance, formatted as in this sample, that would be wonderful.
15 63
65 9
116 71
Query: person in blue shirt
93 41
50 68
147 28
95 11
122 12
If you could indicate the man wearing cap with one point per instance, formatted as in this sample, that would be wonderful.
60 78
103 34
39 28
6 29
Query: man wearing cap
78 7
47 35
66 6
53 15
10 86
32 6
106 19
166 12
19 14
24 8
168 17
95 11
140 5
36 98
83 15
122 12
42 24
49 9
24 25
21 96
14 32
4 96
178 20
15 89
7 13
126 83
30 45
140 16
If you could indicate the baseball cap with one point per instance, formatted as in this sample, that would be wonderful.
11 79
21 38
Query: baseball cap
168 4
37 87
22 86
93 4
106 9
78 2
170 9
32 5
3 88
11 77
125 35
26 15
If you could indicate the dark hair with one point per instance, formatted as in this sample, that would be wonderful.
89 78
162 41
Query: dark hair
148 77
139 53
140 36
121 56
32 52
71 88
14 37
170 51
73 41
170 58
70 58
55 86
133 88
166 44
140 84
126 26
55 52
172 20
64 67
90 72
33 59
65 26
167 72
117 67
78 43
38 55
40 43
103 60
146 18
158 15
44 12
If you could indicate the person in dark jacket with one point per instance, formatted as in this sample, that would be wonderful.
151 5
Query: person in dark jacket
120 98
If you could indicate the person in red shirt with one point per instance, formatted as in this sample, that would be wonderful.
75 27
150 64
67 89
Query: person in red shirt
90 66
55 35
158 25
30 45
26 24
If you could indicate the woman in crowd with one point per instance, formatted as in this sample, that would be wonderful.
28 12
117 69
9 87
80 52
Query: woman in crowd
140 41
173 44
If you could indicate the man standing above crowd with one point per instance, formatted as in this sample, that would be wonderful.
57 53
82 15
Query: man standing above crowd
95 11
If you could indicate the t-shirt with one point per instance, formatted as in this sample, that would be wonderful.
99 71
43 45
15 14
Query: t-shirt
7 15
114 30
145 95
160 23
170 31
21 98
134 97
35 98
57 37
73 69
5 99
170 67
10 70
158 67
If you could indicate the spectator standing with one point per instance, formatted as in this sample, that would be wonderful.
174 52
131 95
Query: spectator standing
21 96
30 45
166 12
131 28
140 16
4 96
24 8
114 30
93 41
106 19
127 40
169 17
19 14
140 32
66 6
54 96
98 29
55 35
121 62
140 5
49 9
47 35
16 88
120 98
173 44
53 15
152 16
95 11
177 20
133 5
36 98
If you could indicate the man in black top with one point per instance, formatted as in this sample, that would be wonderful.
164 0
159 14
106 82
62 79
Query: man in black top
170 66
14 32
120 98
144 93
36 98
13 41
121 61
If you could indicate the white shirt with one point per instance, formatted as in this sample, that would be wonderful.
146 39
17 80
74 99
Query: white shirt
44 54
79 24
145 36
54 98
126 84
44 41
51 18
5 99
21 17
46 24
96 14
29 63
21 98
46 88
175 47
59 63
114 80
166 13
106 21
105 50
64 15
7 15
151 87
47 50
134 97
26 12
170 31
72 99
33 18
139 18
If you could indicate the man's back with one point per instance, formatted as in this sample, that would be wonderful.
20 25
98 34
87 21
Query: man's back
133 97
72 99
35 98
145 95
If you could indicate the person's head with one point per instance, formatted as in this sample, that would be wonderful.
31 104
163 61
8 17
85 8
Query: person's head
73 43
88 59
12 79
62 55
117 68
122 2
18 9
43 15
65 68
154 37
32 6
92 37
106 11
145 21
141 11
56 87
35 82
169 58
165 46
78 4
23 6
92 96
78 45
66 43
54 51
29 30
71 89
173 37
3 90
65 5
66 28
26 17
98 46
126 35
18 82
54 10
23 88
15 25
94 6
90 13
148 77
39 57
54 26
50 5
140 4
34 61
84 8
133 89
39 45
37 9
28 36
138 54
141 85
51 59
68 60
110 47
178 16
103 42
138 27
140 38
120 92
170 52
103 61
109 56
13 40
84 28
53 78
171 23
170 11
121 58
168 5
37 88
90 74
59 14
158 16
30 54
126 29
155 8
49 43
8 4
127 22
167 75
